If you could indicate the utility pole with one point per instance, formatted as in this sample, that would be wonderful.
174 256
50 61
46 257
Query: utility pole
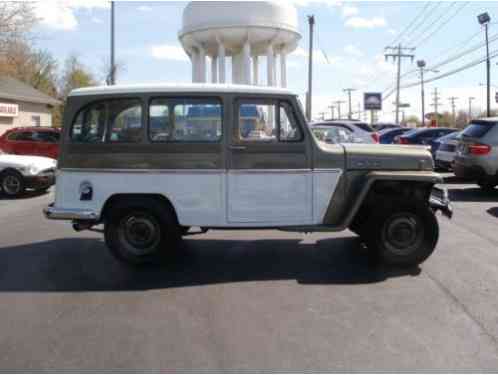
359 111
435 103
112 73
338 103
311 23
349 91
332 108
453 107
397 54
322 115
470 107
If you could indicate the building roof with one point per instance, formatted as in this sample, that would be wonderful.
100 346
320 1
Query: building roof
11 88
180 88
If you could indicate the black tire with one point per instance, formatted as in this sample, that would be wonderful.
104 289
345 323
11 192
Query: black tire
142 231
402 234
486 185
12 184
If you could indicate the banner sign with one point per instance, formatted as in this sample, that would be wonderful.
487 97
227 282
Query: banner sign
9 110
372 101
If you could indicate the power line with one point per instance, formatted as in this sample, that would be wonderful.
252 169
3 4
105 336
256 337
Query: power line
432 12
441 25
400 35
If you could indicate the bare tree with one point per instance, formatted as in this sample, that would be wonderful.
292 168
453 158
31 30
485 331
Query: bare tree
16 21
104 74
75 75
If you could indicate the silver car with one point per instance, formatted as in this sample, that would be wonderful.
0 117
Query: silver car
477 153
446 151
343 132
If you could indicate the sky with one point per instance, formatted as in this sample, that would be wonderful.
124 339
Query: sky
350 41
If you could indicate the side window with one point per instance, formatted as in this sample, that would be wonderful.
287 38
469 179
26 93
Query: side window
267 122
89 125
185 120
289 130
257 122
125 121
13 136
24 136
46 137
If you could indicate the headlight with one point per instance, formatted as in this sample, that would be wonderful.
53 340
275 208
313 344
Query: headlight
33 169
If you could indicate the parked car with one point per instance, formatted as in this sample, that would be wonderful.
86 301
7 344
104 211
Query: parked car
148 193
345 131
340 133
37 141
424 136
384 125
446 151
388 135
18 173
477 153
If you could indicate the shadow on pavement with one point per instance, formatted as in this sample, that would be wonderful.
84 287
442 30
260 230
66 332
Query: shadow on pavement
27 195
472 194
82 264
493 211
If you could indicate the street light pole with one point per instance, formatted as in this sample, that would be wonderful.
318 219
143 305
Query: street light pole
421 65
484 19
112 75
311 22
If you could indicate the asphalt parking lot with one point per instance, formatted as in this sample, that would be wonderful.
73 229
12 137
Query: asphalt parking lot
251 300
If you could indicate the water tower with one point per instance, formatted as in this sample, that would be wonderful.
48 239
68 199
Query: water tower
243 31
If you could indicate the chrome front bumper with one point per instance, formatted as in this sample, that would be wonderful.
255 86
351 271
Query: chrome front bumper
54 213
440 201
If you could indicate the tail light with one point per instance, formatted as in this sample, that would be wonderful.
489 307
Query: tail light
479 149
375 137
403 141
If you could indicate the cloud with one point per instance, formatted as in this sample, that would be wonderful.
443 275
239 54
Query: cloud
97 20
353 50
144 8
60 15
307 3
365 23
391 31
349 10
168 52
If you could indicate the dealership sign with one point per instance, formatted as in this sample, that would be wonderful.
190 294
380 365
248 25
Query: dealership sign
372 101
9 110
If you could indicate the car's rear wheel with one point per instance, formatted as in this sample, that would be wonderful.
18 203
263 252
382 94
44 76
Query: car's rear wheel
403 234
142 232
12 184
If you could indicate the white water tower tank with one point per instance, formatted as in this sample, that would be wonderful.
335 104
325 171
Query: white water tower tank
244 30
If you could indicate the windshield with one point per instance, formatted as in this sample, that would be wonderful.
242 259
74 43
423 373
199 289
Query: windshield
337 135
477 129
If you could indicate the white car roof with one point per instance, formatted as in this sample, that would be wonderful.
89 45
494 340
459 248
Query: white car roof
180 88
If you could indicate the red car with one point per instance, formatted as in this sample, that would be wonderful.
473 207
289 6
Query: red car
36 141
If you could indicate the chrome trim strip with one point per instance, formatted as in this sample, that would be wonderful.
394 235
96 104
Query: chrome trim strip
198 171
267 171
54 213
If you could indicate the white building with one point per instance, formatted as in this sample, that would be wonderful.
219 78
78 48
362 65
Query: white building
219 32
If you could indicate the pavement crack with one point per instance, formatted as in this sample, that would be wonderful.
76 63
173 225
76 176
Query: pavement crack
464 308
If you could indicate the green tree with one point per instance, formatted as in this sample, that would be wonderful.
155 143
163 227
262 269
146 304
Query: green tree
74 76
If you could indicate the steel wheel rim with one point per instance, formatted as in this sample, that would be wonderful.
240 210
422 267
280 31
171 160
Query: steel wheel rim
11 185
140 234
403 234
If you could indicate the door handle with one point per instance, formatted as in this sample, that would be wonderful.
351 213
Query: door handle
238 148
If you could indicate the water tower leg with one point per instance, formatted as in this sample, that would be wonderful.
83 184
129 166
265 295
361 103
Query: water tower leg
270 61
214 69
195 62
283 69
246 63
221 62
202 65
255 70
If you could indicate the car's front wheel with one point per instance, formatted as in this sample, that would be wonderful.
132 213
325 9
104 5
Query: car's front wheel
141 232
12 183
403 234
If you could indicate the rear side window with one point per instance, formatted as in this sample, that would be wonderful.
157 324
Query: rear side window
114 121
47 137
478 129
185 120
21 136
90 124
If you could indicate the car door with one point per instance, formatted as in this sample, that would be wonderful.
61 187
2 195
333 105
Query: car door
45 143
269 178
22 143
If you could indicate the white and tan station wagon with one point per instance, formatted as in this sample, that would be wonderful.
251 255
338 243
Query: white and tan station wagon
150 162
